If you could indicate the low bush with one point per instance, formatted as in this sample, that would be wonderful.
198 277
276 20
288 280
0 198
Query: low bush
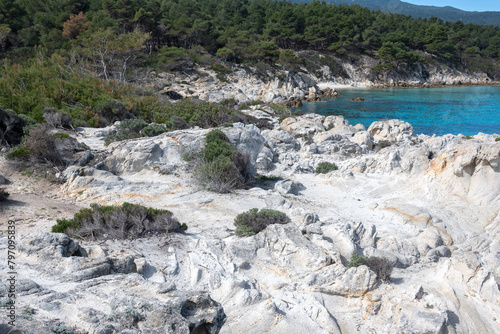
176 123
253 221
22 153
56 119
12 127
382 267
111 110
356 260
127 129
325 167
220 167
39 145
42 145
153 130
3 195
60 135
127 221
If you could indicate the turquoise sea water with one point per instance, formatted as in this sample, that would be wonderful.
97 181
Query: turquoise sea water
465 110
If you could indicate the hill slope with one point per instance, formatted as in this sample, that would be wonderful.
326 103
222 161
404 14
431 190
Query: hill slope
446 13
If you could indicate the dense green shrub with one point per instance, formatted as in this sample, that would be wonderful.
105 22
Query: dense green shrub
22 153
254 221
220 166
127 129
325 167
60 135
356 260
217 145
173 58
177 123
127 221
43 82
153 130
381 266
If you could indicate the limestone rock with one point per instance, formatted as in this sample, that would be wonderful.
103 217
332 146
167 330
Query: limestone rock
303 126
50 245
436 253
392 131
363 139
413 321
124 265
185 313
281 139
355 282
264 160
247 139
285 187
81 269
284 245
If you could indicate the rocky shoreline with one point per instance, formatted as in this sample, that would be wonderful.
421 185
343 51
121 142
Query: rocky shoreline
247 85
431 205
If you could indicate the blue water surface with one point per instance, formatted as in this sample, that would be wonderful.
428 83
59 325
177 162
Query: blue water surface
465 110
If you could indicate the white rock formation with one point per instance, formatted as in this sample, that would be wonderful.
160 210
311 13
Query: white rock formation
430 205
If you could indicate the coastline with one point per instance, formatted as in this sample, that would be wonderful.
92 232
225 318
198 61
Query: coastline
361 85
448 110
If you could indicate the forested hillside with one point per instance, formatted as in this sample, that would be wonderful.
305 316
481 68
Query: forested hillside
246 29
447 13
70 55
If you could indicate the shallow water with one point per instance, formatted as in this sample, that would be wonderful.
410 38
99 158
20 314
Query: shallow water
465 110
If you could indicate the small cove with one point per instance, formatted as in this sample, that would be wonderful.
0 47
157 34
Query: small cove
465 110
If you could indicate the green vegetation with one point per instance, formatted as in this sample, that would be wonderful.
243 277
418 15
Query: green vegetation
233 30
21 153
381 266
39 145
74 63
127 129
356 261
497 139
446 13
253 221
128 221
325 167
60 135
220 167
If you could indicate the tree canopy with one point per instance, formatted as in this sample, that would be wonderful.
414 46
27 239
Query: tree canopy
243 29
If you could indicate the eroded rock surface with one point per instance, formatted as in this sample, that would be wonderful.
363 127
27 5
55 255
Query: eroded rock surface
429 205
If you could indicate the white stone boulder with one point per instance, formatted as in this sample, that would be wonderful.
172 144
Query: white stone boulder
391 131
